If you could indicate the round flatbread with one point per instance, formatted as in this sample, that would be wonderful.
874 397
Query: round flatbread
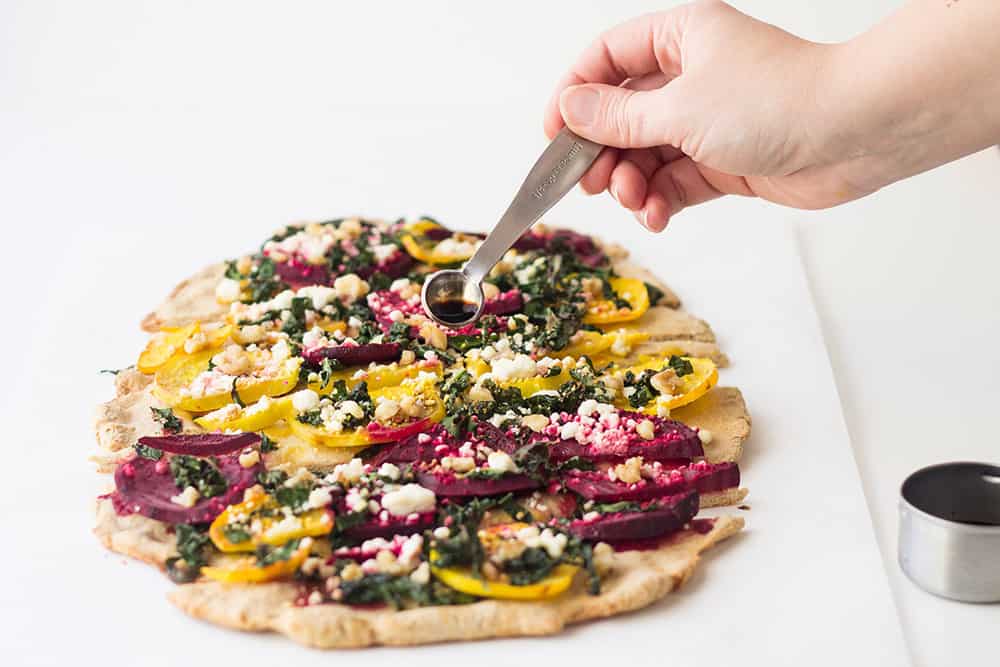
251 345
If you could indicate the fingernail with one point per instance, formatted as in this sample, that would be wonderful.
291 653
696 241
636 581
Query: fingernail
614 193
642 219
580 104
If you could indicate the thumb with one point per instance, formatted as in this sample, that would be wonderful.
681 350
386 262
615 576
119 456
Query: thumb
616 116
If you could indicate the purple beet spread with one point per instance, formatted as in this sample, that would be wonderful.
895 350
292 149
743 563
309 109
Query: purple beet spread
145 487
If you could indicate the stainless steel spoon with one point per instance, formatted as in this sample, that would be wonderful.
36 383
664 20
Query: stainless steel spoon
454 297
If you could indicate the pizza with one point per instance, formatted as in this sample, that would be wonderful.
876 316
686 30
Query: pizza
302 450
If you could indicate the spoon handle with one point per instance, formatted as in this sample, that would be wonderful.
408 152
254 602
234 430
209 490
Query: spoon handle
558 169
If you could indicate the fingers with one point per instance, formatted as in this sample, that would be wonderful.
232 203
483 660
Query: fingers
598 176
638 47
675 186
628 185
616 116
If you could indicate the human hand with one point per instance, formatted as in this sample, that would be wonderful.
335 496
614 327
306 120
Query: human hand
702 101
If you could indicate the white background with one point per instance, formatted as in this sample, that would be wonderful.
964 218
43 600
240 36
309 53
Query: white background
138 141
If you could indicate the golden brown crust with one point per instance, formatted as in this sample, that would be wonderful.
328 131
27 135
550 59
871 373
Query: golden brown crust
723 413
134 535
663 324
722 498
192 299
638 579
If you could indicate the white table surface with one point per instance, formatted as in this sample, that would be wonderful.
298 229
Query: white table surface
177 131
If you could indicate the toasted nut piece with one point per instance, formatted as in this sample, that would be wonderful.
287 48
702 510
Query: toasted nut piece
646 429
478 393
629 472
386 410
535 422
490 291
233 361
433 335
667 382
407 357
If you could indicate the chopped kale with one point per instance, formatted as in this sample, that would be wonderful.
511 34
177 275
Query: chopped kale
171 423
638 389
272 479
531 566
202 474
295 325
379 281
294 497
576 463
114 371
235 533
147 452
192 541
655 293
268 555
267 445
396 591
263 281
235 395
681 365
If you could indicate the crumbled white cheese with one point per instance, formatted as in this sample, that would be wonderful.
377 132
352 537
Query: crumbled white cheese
283 301
501 462
383 251
347 473
705 436
320 295
186 498
409 499
305 400
421 575
320 497
249 459
389 470
521 366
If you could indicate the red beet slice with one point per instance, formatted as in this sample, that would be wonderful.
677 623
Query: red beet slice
504 303
447 485
583 246
407 450
382 433
354 355
701 477
674 441
297 274
398 264
530 240
145 487
201 444
671 515
392 525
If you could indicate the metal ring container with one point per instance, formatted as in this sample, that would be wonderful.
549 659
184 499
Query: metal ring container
949 530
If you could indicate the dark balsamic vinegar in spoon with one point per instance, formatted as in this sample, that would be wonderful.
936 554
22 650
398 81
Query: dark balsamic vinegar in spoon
453 311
